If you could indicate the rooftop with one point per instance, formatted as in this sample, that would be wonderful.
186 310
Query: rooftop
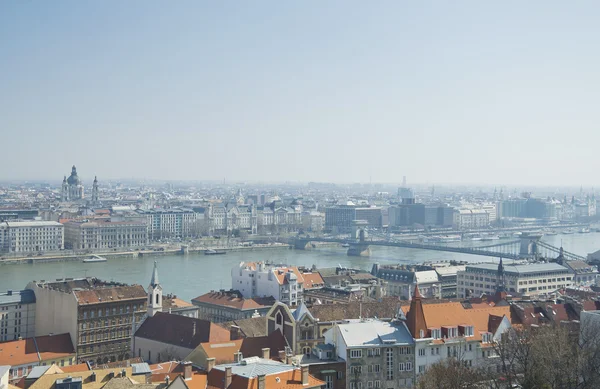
375 332
34 350
233 299
17 297
520 269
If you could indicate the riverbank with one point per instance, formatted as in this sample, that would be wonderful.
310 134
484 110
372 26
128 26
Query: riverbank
135 254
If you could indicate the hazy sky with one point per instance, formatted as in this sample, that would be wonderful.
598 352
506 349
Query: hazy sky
496 92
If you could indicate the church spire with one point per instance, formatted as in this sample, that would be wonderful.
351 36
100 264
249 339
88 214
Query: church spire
154 281
415 318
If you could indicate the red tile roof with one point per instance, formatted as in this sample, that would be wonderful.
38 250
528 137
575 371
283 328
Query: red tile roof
21 352
234 299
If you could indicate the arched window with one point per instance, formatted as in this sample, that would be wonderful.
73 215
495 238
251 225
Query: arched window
157 298
279 318
306 351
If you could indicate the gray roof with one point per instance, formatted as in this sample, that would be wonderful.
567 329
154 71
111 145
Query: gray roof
375 332
301 311
521 269
253 367
37 372
140 368
17 297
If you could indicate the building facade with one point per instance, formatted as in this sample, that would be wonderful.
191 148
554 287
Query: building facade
260 279
471 218
171 223
275 218
342 217
378 354
227 218
534 280
31 236
17 315
401 280
98 315
98 235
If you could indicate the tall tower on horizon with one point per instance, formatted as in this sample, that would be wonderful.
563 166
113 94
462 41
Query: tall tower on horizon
154 293
95 191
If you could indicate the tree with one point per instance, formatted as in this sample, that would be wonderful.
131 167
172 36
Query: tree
450 374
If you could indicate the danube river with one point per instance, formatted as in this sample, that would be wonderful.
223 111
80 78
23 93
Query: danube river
189 276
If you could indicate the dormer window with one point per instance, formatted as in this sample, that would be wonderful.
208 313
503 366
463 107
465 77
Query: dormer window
421 334
436 333
469 331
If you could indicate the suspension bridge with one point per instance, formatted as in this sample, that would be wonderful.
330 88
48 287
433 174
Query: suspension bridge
528 246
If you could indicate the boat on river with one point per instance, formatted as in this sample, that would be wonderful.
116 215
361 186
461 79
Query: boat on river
94 259
214 252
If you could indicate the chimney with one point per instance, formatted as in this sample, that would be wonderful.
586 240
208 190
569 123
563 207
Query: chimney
237 357
227 377
304 370
167 380
123 373
234 333
282 355
261 381
210 363
93 377
266 353
187 370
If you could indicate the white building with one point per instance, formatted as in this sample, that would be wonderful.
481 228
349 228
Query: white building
378 354
471 218
492 210
171 223
226 218
257 279
31 236
17 315
537 279
105 235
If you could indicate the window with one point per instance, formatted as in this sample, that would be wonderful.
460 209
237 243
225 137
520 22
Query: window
389 359
355 353
340 375
328 382
421 369
355 369
377 352
408 366
401 366
376 368
436 333
377 384
422 352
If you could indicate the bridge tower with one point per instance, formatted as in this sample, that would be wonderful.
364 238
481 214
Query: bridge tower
359 233
529 245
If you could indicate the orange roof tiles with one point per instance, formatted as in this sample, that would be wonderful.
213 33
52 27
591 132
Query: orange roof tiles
75 368
280 273
234 299
21 352
110 294
312 280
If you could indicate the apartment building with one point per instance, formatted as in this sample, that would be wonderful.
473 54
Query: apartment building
465 219
260 279
98 315
451 330
533 280
378 354
31 236
98 235
17 315
171 223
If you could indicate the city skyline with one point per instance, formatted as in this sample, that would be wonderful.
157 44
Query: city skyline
340 93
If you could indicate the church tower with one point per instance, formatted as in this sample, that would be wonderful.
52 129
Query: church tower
154 293
500 278
65 190
95 191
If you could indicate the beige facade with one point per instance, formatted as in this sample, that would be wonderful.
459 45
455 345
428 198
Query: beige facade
99 316
105 235
31 236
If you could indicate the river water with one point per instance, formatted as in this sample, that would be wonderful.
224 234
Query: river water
192 275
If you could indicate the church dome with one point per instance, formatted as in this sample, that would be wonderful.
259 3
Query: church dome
73 178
